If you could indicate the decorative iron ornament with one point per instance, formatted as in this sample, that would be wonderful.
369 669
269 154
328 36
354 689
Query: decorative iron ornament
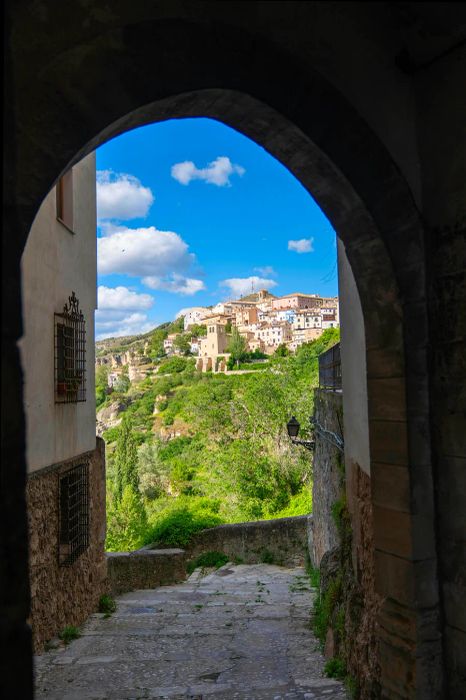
70 353
72 309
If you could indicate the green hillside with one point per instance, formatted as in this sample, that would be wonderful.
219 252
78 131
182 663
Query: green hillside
194 450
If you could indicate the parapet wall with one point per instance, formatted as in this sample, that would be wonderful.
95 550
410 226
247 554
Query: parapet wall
282 541
144 568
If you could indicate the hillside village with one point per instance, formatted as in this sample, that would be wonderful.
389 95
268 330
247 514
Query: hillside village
264 321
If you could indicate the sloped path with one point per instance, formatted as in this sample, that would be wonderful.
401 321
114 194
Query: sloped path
240 633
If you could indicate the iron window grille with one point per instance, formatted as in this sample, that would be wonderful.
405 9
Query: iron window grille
330 369
73 514
70 353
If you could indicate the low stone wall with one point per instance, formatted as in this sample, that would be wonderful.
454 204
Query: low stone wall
64 595
144 568
282 541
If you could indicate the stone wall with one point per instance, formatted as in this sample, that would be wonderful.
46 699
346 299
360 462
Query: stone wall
144 568
342 544
64 595
327 475
282 541
363 604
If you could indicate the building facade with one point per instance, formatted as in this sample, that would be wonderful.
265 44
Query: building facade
66 466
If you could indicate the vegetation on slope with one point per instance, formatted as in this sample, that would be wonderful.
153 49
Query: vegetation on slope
194 450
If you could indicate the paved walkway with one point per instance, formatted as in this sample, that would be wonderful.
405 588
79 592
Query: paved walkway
240 633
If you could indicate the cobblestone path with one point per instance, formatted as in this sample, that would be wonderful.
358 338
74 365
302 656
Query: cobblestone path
240 633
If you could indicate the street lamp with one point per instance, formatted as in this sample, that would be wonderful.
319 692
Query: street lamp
293 429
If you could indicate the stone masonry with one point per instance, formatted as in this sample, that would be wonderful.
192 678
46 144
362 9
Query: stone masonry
239 633
60 595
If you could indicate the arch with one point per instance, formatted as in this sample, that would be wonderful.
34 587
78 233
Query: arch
97 89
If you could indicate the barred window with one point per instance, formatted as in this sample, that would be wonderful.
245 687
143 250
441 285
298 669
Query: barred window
74 514
70 353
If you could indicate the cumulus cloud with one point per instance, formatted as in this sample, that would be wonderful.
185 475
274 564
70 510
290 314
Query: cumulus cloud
174 283
121 196
131 324
304 245
217 172
241 286
119 312
143 252
122 298
266 270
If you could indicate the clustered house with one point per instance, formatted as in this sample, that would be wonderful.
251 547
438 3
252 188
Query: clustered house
264 320
66 463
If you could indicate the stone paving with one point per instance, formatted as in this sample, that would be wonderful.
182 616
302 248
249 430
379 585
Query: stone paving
239 633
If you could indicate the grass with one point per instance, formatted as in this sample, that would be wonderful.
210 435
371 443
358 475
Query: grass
267 557
107 605
69 633
335 668
207 560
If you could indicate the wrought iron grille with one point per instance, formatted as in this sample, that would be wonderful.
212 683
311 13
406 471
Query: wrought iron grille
70 353
330 368
73 514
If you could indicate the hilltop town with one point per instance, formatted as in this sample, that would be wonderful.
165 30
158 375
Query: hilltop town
264 321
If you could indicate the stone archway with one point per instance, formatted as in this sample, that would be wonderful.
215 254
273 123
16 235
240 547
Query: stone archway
91 91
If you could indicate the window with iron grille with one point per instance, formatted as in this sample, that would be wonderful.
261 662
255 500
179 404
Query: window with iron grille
70 353
73 514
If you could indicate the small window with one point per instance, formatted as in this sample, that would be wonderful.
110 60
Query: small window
70 353
64 193
73 514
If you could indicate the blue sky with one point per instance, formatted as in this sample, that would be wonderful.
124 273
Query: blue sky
191 212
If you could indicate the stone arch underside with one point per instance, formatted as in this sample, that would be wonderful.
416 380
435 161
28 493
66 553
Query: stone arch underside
152 71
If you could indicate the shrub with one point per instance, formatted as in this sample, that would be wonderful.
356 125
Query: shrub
106 604
267 557
69 633
175 527
335 668
299 504
173 364
208 559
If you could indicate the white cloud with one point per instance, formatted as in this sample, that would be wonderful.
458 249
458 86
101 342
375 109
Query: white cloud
142 252
122 298
119 312
121 196
266 270
217 172
304 245
174 283
108 326
241 286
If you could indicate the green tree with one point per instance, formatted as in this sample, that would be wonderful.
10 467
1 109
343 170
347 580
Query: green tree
126 522
123 382
101 384
197 330
176 326
181 343
157 338
126 459
282 351
237 346
153 471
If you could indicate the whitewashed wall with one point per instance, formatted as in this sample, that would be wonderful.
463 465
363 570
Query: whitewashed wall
55 263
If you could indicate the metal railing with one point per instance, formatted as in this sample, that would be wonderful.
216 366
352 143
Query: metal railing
330 369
